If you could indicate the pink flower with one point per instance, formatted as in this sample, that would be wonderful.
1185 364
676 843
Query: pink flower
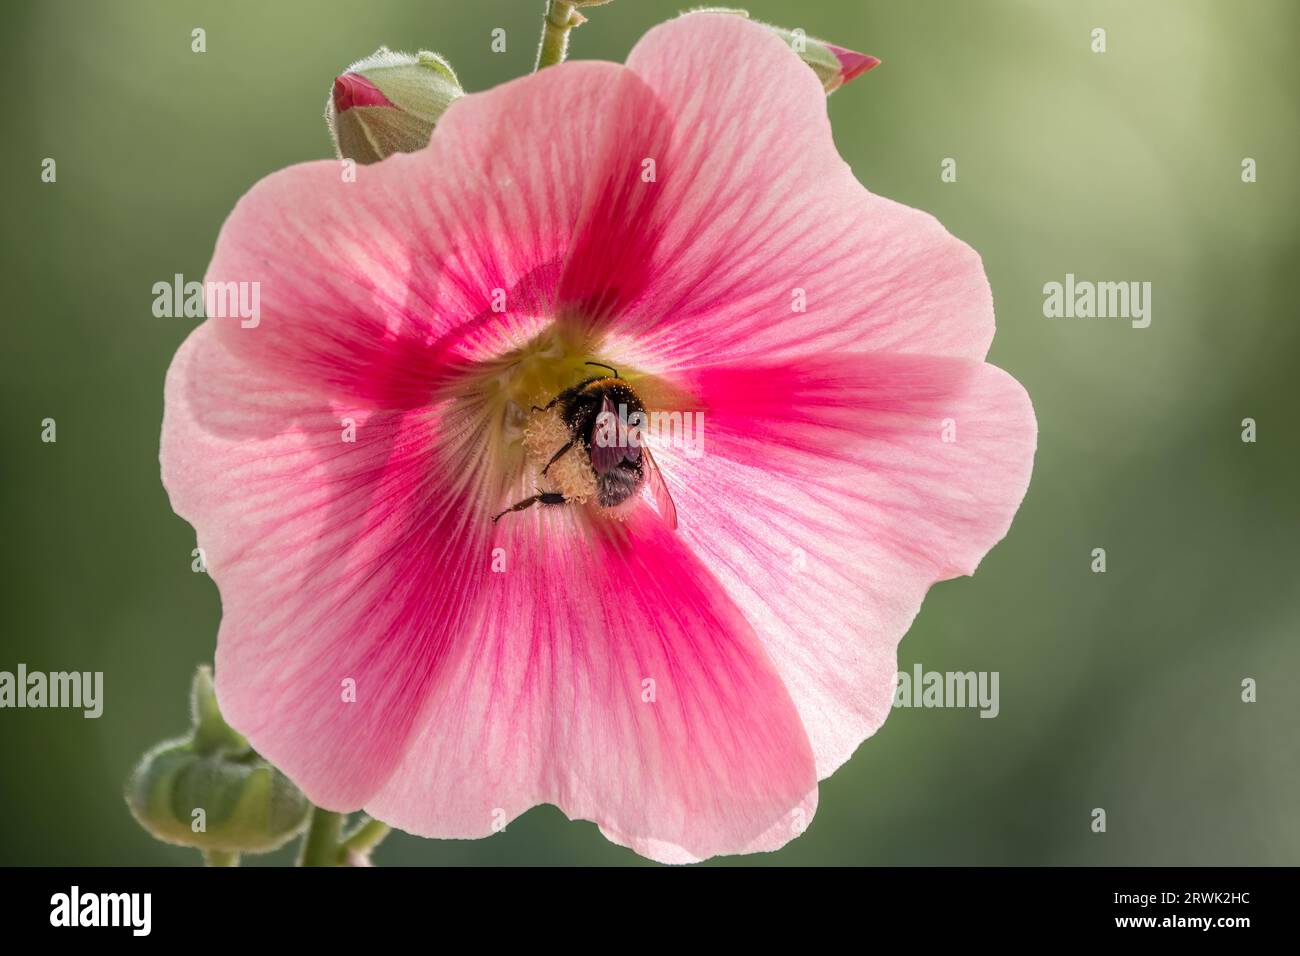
389 646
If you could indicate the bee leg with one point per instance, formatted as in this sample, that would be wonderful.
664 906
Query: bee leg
544 497
559 454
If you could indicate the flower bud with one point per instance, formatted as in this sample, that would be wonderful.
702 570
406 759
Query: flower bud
388 103
834 65
210 790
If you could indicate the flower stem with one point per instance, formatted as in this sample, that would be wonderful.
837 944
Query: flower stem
365 837
561 17
321 847
220 858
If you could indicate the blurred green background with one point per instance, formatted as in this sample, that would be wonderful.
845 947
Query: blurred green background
1118 690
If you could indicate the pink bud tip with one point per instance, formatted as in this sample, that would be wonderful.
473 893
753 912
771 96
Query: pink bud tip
852 65
353 89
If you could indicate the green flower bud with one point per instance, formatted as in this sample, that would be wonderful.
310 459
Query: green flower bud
389 103
212 791
834 65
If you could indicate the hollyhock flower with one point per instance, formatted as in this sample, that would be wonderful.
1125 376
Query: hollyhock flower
686 219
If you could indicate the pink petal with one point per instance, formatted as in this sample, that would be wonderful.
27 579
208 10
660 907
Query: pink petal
827 503
377 289
545 702
353 89
336 561
755 203
852 63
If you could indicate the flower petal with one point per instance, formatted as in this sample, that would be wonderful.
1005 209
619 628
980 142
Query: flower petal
560 711
341 571
378 288
756 210
828 499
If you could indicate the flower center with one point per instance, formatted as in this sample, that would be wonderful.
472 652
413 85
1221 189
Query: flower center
536 373
526 381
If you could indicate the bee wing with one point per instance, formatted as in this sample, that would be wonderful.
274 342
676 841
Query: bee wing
658 488
605 458
612 440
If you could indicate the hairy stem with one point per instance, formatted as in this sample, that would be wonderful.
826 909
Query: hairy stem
365 837
321 846
561 17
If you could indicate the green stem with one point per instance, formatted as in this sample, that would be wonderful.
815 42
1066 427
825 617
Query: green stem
220 858
561 17
365 837
321 847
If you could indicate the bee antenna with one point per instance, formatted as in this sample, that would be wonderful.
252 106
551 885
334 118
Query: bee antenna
603 365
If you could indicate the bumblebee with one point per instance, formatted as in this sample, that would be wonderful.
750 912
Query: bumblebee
605 418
